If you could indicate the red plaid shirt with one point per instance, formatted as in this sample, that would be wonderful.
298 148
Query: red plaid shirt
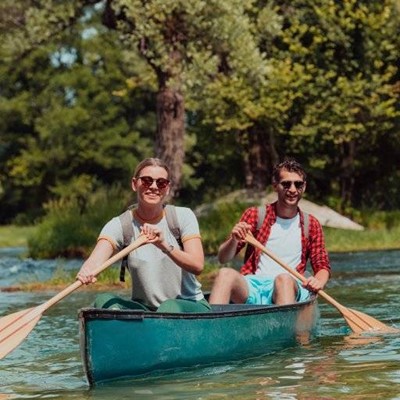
313 247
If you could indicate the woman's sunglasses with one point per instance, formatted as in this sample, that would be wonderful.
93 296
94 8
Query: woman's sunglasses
147 181
288 184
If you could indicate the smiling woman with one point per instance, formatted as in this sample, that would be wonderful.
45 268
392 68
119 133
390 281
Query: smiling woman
164 271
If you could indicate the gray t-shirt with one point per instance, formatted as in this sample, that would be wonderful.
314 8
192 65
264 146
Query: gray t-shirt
155 277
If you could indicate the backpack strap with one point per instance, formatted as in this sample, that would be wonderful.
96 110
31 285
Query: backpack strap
306 217
261 216
173 223
127 232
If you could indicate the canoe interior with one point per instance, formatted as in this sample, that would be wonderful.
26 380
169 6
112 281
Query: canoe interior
117 344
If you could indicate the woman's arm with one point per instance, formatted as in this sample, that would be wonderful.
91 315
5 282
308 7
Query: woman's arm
100 254
191 258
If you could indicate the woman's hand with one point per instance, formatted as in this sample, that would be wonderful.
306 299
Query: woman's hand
155 235
86 277
102 252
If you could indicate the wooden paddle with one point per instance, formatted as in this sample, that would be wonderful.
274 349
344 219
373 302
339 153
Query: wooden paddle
14 328
357 321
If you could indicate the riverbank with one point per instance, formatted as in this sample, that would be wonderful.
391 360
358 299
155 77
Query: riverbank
337 240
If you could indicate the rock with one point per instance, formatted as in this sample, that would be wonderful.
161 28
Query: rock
325 215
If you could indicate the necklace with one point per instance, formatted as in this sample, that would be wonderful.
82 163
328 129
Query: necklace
150 221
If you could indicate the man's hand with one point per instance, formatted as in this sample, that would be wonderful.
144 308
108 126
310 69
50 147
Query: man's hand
313 284
240 230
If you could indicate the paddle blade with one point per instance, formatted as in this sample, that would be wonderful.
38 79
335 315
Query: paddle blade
360 322
14 328
357 321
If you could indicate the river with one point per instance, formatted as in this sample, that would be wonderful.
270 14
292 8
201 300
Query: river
334 365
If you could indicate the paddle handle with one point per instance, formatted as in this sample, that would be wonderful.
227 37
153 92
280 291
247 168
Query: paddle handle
254 242
142 239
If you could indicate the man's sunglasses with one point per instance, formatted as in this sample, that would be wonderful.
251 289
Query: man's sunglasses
147 181
288 184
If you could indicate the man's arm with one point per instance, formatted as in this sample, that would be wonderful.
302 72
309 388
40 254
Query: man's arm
318 257
229 248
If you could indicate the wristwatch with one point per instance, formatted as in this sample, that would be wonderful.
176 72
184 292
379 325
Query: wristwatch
170 248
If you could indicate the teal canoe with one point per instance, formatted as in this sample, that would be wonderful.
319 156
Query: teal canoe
118 344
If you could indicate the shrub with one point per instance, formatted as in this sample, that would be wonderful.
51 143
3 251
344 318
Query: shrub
69 231
216 225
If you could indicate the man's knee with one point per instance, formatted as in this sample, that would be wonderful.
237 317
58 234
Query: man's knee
227 274
285 289
285 280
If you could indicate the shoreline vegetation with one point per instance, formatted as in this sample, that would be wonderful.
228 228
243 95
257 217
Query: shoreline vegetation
337 240
378 238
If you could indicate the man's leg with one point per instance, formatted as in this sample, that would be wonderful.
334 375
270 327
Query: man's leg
285 290
229 285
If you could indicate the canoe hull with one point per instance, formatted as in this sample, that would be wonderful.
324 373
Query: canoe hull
119 344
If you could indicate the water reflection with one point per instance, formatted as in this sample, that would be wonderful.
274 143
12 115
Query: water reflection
335 365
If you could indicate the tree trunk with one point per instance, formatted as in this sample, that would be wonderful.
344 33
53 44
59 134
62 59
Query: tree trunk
169 145
347 173
260 156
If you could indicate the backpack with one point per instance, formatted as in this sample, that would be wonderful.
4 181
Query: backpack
127 231
261 210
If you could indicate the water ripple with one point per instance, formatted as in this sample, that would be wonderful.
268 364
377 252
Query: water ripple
335 365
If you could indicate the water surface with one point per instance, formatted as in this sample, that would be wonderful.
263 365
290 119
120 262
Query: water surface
335 365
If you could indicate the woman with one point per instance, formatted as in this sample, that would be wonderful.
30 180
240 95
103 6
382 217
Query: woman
163 273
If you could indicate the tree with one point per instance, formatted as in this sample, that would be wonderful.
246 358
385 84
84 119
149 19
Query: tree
176 38
328 93
67 125
186 43
351 104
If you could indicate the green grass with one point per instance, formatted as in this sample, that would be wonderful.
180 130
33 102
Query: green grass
61 278
15 236
337 240
340 240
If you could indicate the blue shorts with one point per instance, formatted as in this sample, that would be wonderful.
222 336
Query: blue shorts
261 290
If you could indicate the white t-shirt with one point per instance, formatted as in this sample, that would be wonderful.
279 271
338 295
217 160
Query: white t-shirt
285 242
155 277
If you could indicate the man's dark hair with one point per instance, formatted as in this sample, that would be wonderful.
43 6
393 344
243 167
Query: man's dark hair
290 165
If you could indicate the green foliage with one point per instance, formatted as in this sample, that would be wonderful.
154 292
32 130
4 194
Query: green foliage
68 231
380 220
316 80
63 117
217 222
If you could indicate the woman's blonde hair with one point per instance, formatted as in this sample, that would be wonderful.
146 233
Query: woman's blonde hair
150 162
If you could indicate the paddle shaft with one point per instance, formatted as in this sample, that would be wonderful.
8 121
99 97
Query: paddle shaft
15 327
254 242
134 245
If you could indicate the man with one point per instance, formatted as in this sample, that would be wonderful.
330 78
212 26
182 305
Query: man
284 232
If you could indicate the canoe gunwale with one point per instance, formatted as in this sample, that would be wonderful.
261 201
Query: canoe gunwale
218 311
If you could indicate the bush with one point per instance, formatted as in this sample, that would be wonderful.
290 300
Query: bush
381 219
69 229
218 223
